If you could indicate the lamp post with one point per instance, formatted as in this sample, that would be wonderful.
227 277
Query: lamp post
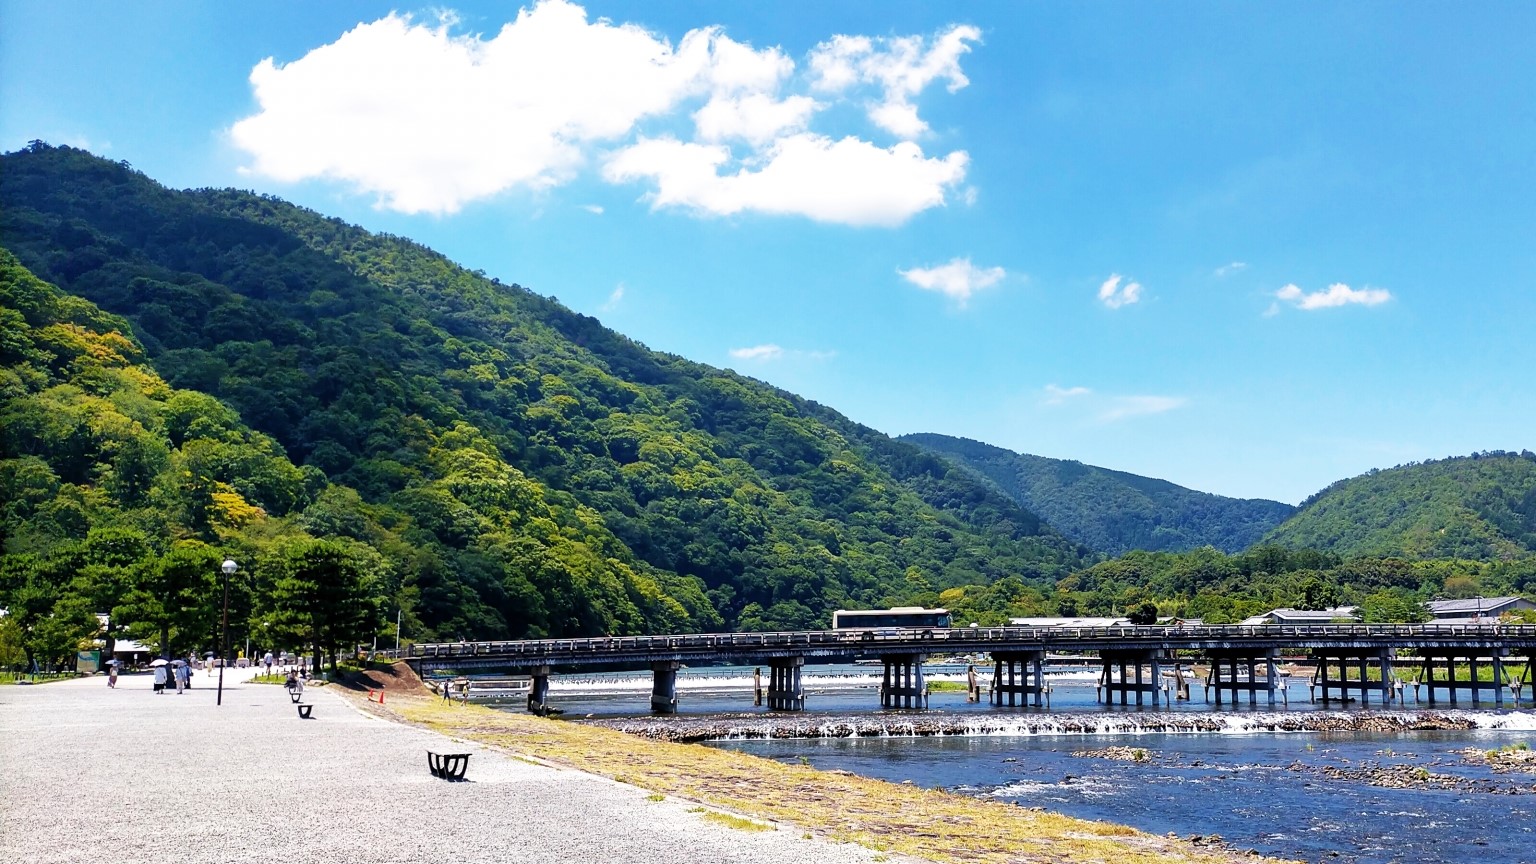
229 570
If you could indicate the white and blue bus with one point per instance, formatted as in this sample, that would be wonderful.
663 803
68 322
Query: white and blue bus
899 617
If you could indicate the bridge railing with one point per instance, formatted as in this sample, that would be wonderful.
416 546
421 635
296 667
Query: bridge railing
969 637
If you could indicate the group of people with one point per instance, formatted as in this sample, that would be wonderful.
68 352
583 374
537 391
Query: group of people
178 675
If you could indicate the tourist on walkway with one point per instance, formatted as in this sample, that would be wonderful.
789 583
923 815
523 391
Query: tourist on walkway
112 673
268 660
160 679
183 677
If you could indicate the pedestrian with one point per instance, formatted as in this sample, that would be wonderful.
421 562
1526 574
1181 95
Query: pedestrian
183 678
268 660
160 679
112 674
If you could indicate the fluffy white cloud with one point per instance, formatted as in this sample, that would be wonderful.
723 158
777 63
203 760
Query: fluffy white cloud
849 181
758 352
1228 269
1135 406
1337 294
1114 296
756 118
1055 395
428 119
901 67
958 279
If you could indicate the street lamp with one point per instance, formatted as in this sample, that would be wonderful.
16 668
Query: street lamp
229 570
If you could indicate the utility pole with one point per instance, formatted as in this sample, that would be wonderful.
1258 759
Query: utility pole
397 632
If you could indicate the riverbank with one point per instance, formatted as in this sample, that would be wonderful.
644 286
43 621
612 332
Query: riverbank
890 818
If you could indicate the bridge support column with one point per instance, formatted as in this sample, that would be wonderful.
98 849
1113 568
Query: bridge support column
903 685
1109 684
1017 675
1224 674
664 686
1451 683
538 690
785 692
1322 678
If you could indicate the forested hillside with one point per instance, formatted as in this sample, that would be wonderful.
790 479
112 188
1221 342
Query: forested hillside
1112 511
1480 507
517 468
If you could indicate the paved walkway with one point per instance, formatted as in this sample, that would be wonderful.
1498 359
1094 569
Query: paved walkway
125 776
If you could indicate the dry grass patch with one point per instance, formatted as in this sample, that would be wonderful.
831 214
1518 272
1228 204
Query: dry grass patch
897 818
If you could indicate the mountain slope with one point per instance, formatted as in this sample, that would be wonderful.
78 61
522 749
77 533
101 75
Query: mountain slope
1480 507
1112 511
457 406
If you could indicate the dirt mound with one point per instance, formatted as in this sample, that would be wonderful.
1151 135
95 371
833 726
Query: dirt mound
396 678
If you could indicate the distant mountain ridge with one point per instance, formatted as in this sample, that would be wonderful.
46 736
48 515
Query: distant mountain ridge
1113 512
1480 507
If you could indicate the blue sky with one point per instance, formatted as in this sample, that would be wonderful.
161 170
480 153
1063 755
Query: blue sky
1250 250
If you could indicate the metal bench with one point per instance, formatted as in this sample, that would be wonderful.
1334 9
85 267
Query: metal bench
304 709
449 766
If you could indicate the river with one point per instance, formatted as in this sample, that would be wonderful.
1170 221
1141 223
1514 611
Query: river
1363 797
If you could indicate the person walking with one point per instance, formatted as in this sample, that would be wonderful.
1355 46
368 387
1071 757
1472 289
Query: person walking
268 660
112 674
160 679
183 678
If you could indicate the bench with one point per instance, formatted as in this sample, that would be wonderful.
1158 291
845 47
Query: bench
295 696
449 766
304 709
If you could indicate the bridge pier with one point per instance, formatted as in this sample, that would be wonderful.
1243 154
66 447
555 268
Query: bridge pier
1362 660
538 689
664 686
1451 683
785 692
1110 685
1224 674
903 685
1025 677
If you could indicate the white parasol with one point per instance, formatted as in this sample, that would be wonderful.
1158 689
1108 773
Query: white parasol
158 661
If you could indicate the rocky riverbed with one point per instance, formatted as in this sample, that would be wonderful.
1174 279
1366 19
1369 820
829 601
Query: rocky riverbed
757 726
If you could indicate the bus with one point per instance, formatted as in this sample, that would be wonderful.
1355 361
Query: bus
889 619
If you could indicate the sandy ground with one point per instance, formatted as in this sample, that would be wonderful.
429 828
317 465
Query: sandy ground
124 775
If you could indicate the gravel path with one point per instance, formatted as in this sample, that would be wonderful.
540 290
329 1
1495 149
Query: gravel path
126 776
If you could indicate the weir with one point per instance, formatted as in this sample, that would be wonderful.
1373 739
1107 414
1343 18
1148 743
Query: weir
1361 660
1109 684
785 692
1451 683
1016 676
1225 675
903 685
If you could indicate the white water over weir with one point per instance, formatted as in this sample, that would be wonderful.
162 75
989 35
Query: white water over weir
758 728
1242 659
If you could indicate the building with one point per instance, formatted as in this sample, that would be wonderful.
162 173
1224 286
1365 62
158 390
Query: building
1476 609
1303 616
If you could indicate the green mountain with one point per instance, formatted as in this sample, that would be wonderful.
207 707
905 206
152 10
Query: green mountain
1480 507
518 468
1112 511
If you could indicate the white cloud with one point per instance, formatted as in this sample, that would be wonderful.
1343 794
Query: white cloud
1135 406
1056 395
958 279
1114 296
1337 294
756 118
1228 269
758 352
428 119
901 67
771 352
613 299
850 181
595 209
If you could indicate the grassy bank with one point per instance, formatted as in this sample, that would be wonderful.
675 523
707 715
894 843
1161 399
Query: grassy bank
895 818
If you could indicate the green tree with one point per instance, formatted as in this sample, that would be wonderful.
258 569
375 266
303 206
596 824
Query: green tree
177 600
325 589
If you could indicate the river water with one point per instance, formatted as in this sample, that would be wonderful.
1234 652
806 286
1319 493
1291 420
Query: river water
1314 796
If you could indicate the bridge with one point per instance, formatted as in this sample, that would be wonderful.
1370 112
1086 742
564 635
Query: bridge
1242 658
